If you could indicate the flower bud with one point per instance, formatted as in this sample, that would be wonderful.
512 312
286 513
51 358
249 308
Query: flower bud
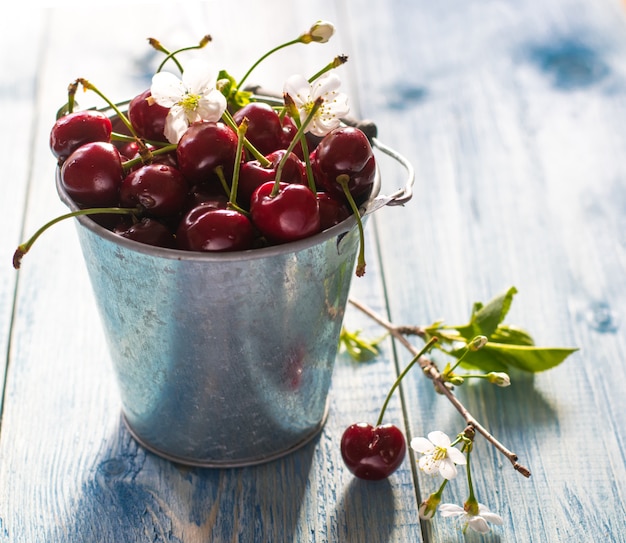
499 378
477 343
322 31
428 507
456 380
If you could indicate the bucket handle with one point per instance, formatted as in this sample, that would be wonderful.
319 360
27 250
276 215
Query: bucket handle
369 128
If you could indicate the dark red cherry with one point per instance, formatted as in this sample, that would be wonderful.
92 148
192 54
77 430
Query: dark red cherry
252 174
147 117
75 129
290 215
149 231
205 228
203 147
332 210
207 196
372 453
92 175
264 130
345 151
160 189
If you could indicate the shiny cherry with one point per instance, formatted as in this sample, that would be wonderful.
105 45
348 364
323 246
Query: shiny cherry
264 130
159 189
149 231
345 151
92 175
372 452
206 228
253 174
332 210
147 117
203 147
75 129
290 215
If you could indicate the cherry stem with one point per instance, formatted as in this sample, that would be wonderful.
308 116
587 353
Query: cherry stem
299 134
141 159
263 57
26 246
343 180
295 115
157 45
241 134
335 63
431 371
87 85
205 39
406 370
71 95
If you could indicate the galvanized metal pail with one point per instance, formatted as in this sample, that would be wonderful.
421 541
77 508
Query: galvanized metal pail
224 359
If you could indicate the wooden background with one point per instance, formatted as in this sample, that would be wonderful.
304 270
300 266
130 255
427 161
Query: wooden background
513 115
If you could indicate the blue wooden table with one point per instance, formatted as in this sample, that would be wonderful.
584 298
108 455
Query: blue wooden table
513 115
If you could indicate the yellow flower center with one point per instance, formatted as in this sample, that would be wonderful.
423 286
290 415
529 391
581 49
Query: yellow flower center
439 454
190 102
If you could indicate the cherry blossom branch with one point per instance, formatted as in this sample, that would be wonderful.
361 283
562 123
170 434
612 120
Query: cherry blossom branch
430 369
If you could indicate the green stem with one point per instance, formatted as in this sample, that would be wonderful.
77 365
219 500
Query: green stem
295 115
406 370
336 62
263 57
87 85
343 180
241 134
299 134
26 246
206 39
141 159
159 47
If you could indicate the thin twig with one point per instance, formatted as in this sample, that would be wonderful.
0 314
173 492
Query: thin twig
431 370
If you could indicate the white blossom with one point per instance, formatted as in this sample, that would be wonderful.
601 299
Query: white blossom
438 454
478 522
190 99
304 95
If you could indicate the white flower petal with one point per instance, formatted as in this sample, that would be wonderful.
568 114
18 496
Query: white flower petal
175 124
212 107
167 89
478 524
198 77
447 469
456 456
422 445
484 512
451 510
298 88
326 84
439 439
428 465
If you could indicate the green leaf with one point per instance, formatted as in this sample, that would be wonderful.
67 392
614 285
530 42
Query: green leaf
511 335
361 350
486 318
501 357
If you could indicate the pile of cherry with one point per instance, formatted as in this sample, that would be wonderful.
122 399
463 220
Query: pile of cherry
205 194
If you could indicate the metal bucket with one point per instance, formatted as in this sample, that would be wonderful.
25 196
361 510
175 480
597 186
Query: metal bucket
224 359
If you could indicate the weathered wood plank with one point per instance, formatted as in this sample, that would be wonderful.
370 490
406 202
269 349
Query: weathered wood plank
17 99
512 114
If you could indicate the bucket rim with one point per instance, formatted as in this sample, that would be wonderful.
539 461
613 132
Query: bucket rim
214 256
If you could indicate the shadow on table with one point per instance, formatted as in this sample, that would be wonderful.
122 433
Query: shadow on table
360 496
133 495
